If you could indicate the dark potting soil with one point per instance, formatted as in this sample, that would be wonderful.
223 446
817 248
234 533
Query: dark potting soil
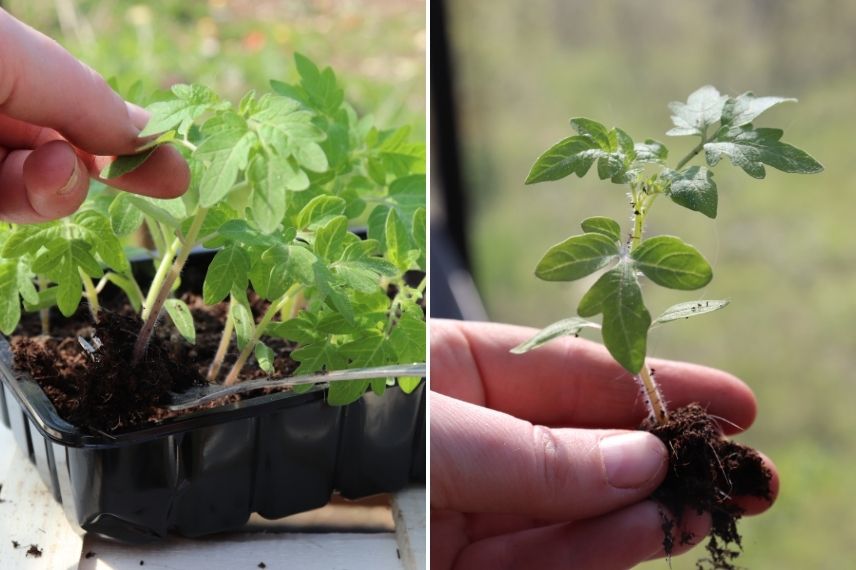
706 471
103 391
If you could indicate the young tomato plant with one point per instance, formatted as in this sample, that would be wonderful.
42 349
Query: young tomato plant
724 127
278 181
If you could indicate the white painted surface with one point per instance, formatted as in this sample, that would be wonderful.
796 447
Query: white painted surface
30 515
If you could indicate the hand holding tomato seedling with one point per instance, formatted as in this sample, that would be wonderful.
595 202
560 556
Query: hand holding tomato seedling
60 123
532 463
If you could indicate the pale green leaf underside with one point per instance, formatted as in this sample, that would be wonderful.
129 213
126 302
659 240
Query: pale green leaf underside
689 309
125 164
751 149
744 108
576 257
672 263
565 327
702 109
181 318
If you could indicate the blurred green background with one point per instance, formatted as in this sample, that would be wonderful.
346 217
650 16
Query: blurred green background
376 47
782 248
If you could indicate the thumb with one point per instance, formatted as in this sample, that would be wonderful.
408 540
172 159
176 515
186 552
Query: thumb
486 461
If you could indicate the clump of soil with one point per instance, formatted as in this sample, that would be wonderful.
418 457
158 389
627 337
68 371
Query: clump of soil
103 391
706 473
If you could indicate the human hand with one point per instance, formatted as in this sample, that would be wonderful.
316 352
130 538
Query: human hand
60 123
532 465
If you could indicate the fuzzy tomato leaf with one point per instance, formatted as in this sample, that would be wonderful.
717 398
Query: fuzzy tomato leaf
577 257
751 148
670 262
179 313
125 164
319 211
10 302
566 327
689 309
190 102
125 217
744 108
693 188
702 109
573 155
602 225
625 319
264 356
228 269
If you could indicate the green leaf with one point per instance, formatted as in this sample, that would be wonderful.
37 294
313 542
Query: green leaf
10 303
319 211
670 262
225 153
650 151
125 164
25 282
264 356
693 188
602 225
283 125
399 247
228 269
179 312
125 217
572 155
97 230
189 103
319 85
743 109
625 319
168 212
318 356
689 309
311 157
29 238
576 257
702 109
245 325
593 130
267 177
329 239
565 327
420 234
751 148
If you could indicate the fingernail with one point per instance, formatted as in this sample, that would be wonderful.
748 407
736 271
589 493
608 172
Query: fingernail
632 459
72 181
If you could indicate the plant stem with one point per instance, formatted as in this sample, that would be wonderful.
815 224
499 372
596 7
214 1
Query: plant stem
271 312
694 151
653 398
44 314
225 339
91 295
160 276
164 287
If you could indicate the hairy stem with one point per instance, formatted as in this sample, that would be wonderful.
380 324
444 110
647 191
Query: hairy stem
165 286
653 399
271 312
91 295
225 339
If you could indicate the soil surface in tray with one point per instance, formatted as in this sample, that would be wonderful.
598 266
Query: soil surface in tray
706 471
103 391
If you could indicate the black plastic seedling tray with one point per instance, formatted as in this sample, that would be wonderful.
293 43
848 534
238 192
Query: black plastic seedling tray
208 471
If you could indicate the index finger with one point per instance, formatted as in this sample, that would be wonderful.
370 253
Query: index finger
569 382
43 84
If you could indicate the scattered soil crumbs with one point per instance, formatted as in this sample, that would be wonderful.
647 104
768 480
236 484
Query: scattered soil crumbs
34 551
15 544
103 391
706 473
